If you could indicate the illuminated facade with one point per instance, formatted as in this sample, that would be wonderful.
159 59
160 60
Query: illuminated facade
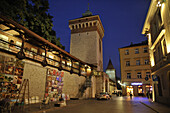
157 30
135 69
86 44
110 70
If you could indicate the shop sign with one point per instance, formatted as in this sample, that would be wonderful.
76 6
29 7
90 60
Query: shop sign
136 84
146 78
154 77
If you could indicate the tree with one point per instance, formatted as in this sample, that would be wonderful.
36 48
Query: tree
32 14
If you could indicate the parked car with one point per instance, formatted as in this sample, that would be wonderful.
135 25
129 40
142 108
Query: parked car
103 95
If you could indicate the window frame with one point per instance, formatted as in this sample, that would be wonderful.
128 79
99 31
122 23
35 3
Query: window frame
137 51
126 52
128 63
139 75
128 75
138 62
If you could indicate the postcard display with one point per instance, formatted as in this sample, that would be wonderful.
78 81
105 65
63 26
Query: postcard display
54 84
11 72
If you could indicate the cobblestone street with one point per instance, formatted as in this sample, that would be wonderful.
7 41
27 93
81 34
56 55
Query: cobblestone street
116 104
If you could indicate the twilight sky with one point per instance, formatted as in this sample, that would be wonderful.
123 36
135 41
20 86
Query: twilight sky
122 21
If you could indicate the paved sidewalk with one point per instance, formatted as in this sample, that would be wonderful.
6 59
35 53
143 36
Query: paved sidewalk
35 108
157 107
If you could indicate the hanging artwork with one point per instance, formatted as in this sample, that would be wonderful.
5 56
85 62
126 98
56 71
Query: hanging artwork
54 83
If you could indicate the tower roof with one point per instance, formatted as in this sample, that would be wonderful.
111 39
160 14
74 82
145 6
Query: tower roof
87 13
110 65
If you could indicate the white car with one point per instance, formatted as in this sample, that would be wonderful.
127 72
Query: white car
103 95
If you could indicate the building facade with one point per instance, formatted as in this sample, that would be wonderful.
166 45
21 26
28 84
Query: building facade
50 70
135 69
86 44
157 30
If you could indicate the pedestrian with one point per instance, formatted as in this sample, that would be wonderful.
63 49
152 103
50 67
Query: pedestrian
130 95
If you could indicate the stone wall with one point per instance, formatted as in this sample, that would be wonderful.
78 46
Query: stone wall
37 79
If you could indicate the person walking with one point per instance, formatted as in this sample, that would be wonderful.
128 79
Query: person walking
130 95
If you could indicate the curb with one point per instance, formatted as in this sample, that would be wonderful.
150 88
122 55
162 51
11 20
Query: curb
149 107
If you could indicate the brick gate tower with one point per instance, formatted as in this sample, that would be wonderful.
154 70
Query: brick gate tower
86 39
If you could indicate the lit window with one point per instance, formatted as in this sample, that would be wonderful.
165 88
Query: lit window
128 75
137 62
127 52
127 63
139 75
145 50
136 51
146 61
148 74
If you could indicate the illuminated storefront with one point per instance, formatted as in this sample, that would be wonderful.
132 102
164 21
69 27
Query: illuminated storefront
129 89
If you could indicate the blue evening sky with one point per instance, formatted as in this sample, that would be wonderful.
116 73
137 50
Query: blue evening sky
122 21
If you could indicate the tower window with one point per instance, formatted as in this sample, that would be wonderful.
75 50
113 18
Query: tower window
90 24
79 25
76 26
83 25
86 24
72 26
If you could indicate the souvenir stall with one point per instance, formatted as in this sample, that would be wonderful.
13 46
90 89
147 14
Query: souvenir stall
11 73
54 84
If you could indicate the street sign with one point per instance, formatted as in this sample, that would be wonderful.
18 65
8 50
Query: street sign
154 78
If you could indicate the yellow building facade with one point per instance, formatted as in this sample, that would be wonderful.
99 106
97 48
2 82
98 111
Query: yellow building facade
157 30
135 69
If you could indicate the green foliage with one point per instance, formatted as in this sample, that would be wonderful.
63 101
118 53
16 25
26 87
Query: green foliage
32 14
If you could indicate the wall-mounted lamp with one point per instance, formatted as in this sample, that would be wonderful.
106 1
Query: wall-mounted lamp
160 2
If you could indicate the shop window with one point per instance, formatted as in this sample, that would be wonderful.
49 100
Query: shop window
140 91
146 61
148 74
127 52
136 51
127 63
139 75
128 75
145 50
137 62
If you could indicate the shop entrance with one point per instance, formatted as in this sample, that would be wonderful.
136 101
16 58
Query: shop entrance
129 89
140 91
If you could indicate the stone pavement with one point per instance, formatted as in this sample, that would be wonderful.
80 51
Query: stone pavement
157 107
35 108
